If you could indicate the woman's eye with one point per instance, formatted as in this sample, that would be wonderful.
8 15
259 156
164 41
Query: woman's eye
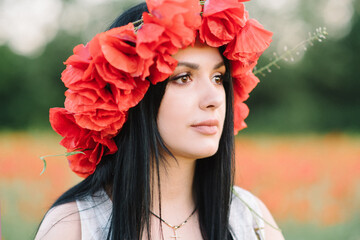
218 79
182 79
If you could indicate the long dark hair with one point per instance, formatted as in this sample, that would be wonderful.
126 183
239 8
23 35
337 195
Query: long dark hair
127 174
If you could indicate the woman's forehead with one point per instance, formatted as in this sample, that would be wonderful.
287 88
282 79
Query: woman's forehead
198 52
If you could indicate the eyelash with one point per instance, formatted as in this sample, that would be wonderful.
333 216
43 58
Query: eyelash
181 77
221 76
188 76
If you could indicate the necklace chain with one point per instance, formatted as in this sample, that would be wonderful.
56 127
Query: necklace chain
175 227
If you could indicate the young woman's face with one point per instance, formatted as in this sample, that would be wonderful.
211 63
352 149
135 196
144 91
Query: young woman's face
192 112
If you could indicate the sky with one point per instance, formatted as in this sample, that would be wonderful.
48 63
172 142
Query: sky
26 26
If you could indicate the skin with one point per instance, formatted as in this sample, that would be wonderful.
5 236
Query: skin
193 95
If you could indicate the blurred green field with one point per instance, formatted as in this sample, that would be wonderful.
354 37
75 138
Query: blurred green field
309 183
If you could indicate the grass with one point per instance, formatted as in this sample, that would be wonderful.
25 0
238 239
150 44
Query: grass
309 183
348 230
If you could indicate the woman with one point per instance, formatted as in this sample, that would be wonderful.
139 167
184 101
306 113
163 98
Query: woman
149 117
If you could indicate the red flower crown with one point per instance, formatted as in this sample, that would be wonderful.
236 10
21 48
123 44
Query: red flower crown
113 71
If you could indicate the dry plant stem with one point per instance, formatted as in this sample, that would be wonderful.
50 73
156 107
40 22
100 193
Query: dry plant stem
253 211
319 34
138 21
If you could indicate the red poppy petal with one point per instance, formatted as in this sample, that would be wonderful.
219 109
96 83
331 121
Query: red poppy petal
241 111
214 6
148 33
253 38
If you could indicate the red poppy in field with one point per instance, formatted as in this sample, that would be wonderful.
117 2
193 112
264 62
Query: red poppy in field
221 21
77 138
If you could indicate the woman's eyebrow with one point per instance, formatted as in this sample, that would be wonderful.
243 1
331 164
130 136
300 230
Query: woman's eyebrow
190 65
220 64
196 66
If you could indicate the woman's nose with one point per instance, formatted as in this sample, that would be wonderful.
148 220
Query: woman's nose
211 95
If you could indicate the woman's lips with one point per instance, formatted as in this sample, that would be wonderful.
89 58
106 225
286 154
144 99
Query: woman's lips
208 127
207 130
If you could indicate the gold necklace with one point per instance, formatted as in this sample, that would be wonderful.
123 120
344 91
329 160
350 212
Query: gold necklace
175 227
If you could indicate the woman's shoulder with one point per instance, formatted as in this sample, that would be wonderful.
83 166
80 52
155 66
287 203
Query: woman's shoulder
243 195
61 222
246 203
245 214
261 218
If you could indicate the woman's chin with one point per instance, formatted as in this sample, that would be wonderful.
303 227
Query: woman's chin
203 151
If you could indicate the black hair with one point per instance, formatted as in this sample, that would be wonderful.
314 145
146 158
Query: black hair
126 175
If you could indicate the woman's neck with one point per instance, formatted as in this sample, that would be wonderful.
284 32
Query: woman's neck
176 189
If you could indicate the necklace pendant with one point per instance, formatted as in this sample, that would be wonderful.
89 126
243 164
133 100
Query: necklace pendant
175 237
174 228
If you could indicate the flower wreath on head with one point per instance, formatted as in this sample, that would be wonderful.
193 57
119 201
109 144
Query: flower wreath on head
111 73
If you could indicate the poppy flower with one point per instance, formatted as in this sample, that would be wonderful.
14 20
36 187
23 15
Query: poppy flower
92 112
249 43
117 46
164 12
179 19
102 90
76 65
77 138
242 86
154 43
241 111
221 21
241 67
